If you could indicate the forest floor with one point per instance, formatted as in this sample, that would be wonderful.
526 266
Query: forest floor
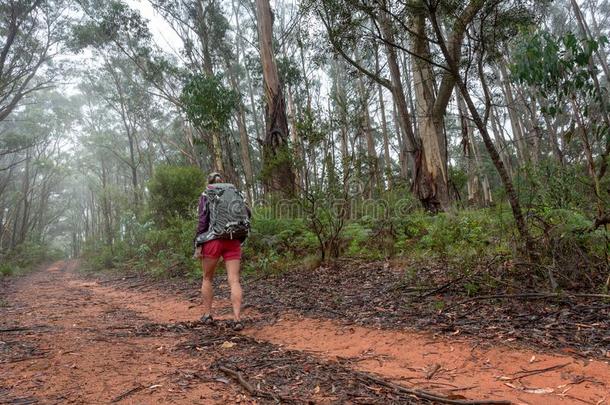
339 336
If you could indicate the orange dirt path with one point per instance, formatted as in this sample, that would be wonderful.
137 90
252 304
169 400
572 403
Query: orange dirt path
86 366
84 360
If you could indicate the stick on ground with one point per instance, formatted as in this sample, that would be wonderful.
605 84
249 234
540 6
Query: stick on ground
247 386
429 395
128 393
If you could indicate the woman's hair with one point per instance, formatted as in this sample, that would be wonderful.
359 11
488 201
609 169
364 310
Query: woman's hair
214 177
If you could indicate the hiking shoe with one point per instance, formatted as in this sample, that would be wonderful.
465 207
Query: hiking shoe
207 320
237 326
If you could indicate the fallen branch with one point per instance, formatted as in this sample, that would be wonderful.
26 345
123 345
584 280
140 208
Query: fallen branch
247 386
15 329
128 393
442 288
428 395
457 279
240 379
527 373
21 328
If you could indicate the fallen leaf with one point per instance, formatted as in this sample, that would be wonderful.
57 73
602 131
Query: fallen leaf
532 359
227 345
317 389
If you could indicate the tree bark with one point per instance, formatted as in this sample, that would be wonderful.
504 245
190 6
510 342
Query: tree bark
384 127
430 120
372 175
453 69
422 183
515 122
277 168
244 143
479 192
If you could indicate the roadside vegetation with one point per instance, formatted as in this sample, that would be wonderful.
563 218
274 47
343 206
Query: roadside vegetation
476 141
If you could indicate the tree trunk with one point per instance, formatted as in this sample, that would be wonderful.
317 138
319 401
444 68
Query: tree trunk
371 155
277 168
552 131
244 143
340 99
384 127
584 28
499 137
454 70
422 183
106 207
26 200
403 155
430 123
515 122
479 192
296 142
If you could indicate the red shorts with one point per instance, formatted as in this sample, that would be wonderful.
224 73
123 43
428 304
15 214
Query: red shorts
229 249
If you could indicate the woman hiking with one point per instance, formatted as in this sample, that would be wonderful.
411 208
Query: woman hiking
224 223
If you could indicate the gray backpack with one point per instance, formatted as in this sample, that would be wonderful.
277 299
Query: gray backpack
229 217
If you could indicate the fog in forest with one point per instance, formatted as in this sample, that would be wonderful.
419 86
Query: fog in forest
452 130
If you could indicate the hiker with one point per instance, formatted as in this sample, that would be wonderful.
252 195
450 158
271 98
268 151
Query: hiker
224 224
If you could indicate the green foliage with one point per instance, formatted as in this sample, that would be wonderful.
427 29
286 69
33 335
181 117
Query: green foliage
6 270
458 177
276 160
161 250
207 102
577 254
289 71
113 21
549 186
558 66
279 237
26 257
460 236
174 191
310 129
358 237
97 257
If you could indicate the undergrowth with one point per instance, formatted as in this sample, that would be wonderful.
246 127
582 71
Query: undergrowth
478 247
26 256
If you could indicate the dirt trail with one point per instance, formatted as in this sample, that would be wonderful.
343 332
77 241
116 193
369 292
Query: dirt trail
68 351
73 354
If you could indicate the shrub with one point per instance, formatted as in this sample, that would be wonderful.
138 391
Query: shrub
549 186
26 256
456 236
576 253
6 270
281 236
174 191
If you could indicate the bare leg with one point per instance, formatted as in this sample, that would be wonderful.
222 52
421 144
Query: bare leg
236 293
207 292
